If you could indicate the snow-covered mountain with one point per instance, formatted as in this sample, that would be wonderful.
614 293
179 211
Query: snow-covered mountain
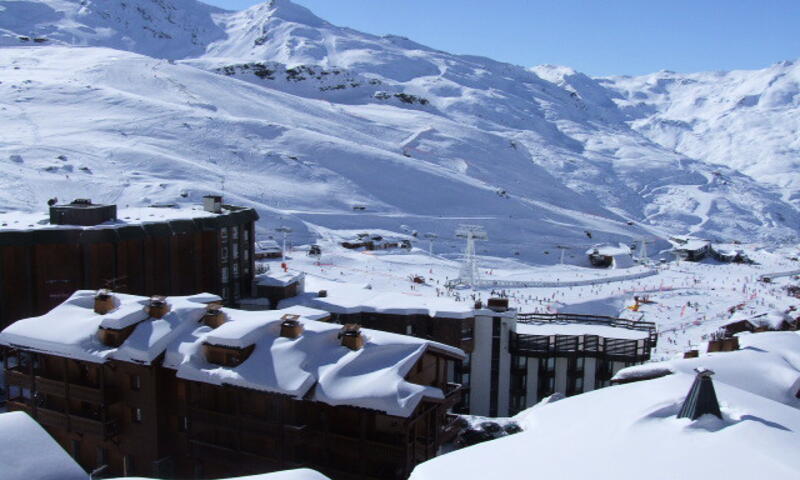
747 120
304 119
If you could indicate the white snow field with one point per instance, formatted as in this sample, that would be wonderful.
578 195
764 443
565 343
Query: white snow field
152 101
632 431
297 474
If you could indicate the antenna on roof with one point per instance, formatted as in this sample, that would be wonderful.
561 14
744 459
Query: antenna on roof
469 274
702 399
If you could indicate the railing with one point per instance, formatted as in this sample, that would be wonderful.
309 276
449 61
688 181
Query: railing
536 318
589 345
18 378
75 422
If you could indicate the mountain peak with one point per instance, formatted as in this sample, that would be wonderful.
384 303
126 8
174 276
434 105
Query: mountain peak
287 11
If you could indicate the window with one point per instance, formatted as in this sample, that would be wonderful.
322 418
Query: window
76 449
183 424
136 415
136 382
467 331
127 465
102 457
224 275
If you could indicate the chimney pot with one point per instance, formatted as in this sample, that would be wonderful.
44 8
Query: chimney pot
351 337
498 304
103 302
291 326
214 316
212 203
157 307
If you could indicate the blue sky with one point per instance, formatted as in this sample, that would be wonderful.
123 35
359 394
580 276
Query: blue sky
599 37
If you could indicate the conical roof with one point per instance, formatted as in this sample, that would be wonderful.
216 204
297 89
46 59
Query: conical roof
702 398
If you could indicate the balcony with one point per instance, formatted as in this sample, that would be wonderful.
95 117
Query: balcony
76 423
86 393
18 378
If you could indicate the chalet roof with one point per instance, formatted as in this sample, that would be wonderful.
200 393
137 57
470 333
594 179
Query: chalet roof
70 329
314 365
27 451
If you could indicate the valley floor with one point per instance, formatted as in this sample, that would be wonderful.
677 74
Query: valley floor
687 301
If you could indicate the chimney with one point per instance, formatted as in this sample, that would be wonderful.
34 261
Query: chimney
212 203
291 326
214 317
498 304
103 302
478 305
157 307
351 337
702 399
322 293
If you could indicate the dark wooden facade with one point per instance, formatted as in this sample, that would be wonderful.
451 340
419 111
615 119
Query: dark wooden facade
142 420
39 269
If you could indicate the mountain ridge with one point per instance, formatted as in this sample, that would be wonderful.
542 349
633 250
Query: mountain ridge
538 140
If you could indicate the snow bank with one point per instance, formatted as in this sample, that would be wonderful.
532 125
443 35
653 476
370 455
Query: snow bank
631 431
28 452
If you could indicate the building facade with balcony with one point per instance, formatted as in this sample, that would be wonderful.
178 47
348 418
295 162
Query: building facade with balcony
180 387
145 251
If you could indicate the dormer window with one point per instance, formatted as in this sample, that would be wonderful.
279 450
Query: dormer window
227 356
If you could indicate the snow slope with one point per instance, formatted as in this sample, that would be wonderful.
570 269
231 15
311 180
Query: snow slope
303 119
746 120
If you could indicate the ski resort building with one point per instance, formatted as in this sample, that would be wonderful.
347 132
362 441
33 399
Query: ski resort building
605 256
155 250
512 360
180 387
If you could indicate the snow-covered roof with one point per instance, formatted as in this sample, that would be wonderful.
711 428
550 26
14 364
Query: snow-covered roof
70 329
18 220
268 246
352 299
767 364
692 244
609 250
28 452
556 328
314 364
297 474
632 431
279 278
